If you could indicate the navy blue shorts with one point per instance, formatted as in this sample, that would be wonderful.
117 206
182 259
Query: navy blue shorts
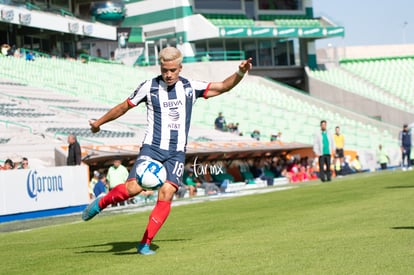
173 162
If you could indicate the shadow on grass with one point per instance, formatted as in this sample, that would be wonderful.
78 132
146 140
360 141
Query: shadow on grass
400 187
403 227
121 248
117 248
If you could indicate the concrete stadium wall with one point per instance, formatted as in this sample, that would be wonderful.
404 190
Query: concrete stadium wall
358 103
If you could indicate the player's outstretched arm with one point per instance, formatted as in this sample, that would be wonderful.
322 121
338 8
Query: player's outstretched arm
112 114
217 88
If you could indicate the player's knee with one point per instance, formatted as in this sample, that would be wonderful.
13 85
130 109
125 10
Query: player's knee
167 191
133 188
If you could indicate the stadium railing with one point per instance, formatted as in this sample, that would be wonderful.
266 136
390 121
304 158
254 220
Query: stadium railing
91 58
8 123
24 51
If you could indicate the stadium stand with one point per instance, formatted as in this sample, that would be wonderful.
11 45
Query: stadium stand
354 82
261 104
393 75
46 99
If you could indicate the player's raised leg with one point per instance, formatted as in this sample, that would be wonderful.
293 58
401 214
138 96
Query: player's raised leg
119 193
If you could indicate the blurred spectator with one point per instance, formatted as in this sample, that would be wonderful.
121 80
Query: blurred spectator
24 164
311 172
117 173
233 128
292 168
244 168
276 166
191 183
382 157
276 137
101 187
258 171
302 174
74 151
220 176
5 49
255 134
17 53
220 122
8 165
29 56
346 168
11 51
356 165
92 184
209 188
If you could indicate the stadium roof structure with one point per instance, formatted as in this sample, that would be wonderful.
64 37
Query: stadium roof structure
32 20
156 25
321 29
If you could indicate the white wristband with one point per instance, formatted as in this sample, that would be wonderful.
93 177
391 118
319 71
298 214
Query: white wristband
240 73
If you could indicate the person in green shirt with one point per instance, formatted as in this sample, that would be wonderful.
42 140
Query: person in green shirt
191 183
323 147
117 173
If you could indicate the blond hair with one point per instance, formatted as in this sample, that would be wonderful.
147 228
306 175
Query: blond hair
170 54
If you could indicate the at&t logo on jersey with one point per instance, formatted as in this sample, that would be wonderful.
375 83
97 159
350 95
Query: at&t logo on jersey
40 184
174 114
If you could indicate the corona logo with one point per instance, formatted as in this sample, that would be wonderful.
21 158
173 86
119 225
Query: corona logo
41 184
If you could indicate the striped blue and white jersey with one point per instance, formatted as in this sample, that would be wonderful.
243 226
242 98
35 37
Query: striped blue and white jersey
168 110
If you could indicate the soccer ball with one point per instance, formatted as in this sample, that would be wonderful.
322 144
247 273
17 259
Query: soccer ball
150 174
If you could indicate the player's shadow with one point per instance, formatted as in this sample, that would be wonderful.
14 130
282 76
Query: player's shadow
117 248
400 187
122 248
403 227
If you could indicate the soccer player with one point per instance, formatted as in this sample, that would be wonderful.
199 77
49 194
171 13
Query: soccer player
169 99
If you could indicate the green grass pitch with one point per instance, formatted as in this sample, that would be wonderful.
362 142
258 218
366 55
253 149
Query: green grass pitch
355 225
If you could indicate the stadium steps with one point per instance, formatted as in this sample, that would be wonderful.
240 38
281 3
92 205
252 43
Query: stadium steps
357 85
394 76
271 107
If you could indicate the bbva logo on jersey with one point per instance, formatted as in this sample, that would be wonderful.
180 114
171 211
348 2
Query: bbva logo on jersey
172 103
